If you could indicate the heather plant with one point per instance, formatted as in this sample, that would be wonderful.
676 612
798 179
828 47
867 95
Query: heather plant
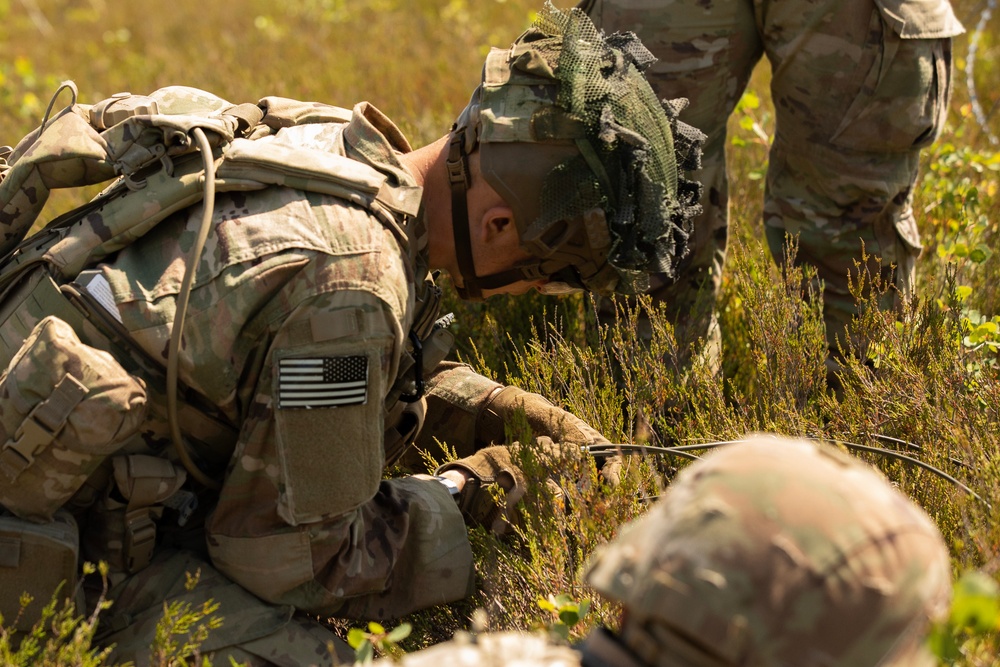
920 381
183 628
60 636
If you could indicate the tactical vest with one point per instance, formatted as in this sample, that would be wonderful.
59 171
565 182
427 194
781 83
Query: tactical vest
148 148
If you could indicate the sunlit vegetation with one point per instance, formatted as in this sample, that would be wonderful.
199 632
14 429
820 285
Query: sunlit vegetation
923 382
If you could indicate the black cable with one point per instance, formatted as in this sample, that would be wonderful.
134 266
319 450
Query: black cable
683 450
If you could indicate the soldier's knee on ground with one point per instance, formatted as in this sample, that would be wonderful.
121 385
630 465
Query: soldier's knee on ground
252 630
291 644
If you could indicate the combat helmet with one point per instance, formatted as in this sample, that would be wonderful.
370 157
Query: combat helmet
778 552
573 138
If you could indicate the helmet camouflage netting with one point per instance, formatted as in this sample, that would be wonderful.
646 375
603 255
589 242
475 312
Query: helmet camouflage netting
574 139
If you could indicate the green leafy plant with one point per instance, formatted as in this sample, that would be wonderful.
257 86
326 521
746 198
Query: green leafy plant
376 638
61 636
564 614
972 629
751 120
64 638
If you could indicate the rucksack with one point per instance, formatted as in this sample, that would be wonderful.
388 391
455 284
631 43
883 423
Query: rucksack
159 154
146 145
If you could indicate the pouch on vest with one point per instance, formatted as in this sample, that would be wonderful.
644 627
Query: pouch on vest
35 559
64 406
121 529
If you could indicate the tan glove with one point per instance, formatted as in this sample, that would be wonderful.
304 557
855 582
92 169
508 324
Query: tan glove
492 490
495 484
509 404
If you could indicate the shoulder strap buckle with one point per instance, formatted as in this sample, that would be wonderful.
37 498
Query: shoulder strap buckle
140 538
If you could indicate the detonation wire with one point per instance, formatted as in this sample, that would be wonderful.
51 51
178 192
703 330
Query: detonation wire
685 452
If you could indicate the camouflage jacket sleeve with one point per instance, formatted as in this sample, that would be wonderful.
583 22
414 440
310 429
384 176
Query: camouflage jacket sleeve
304 516
455 396
468 412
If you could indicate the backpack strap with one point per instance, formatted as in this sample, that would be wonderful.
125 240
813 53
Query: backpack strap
153 154
68 153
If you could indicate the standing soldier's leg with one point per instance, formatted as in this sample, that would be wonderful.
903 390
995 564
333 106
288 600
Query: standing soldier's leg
857 93
706 52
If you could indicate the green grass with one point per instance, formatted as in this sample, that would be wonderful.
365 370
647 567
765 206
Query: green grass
932 375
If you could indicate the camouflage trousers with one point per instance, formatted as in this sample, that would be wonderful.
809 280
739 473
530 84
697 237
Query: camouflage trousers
859 87
252 632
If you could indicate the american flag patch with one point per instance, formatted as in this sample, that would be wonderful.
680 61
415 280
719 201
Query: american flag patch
322 382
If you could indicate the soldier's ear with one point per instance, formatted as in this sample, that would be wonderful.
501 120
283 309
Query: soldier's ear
498 228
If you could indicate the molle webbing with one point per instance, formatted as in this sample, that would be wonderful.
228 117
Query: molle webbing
35 295
66 407
40 427
151 150
35 559
144 483
160 174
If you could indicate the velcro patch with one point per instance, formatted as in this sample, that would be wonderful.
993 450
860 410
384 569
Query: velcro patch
322 382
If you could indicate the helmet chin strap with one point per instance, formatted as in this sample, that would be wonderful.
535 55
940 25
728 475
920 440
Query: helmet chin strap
459 179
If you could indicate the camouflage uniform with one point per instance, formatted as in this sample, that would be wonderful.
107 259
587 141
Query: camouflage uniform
769 552
859 87
304 520
309 317
493 650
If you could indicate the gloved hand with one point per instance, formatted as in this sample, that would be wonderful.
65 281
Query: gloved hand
495 484
542 417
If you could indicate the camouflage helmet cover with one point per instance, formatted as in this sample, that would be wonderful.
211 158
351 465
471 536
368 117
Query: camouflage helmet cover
573 138
778 552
